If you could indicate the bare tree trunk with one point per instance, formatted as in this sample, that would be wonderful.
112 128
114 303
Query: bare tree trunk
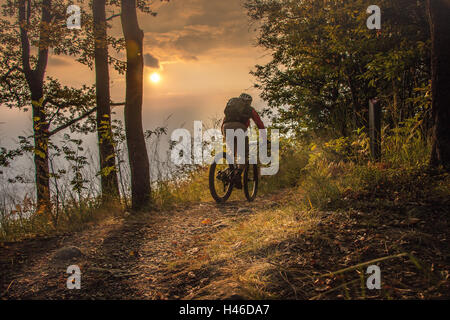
439 13
35 80
108 170
137 151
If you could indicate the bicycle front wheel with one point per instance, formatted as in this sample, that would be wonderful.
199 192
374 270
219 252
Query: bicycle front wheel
251 179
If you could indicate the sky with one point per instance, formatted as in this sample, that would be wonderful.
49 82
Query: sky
203 51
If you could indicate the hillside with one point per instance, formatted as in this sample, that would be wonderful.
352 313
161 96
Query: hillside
269 249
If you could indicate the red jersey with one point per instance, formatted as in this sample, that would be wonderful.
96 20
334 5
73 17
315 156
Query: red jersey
255 117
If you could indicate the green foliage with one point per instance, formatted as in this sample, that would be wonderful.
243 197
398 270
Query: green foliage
407 145
326 63
354 148
293 158
325 172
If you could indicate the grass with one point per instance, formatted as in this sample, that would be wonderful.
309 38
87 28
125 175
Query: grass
257 234
294 251
25 223
339 212
256 240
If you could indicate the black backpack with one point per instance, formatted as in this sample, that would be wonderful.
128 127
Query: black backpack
237 110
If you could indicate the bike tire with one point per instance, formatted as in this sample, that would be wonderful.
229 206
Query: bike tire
251 194
212 173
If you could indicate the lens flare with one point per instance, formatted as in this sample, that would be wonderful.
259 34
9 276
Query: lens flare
155 77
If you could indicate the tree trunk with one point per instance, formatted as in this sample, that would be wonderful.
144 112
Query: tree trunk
137 151
108 170
439 13
40 130
35 81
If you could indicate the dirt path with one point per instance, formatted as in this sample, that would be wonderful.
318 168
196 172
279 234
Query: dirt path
164 255
125 259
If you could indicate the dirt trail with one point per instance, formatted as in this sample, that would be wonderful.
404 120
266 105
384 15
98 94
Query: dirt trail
126 259
164 255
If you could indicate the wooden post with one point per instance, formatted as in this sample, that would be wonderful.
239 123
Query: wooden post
375 128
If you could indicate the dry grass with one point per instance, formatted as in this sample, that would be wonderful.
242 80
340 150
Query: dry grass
18 226
258 235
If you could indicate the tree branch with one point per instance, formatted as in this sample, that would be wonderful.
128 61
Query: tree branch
117 104
59 106
71 122
23 22
3 77
43 39
113 16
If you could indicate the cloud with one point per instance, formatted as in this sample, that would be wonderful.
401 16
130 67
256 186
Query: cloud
151 61
192 28
189 58
56 61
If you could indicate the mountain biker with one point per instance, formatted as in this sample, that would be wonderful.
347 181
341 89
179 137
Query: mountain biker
238 113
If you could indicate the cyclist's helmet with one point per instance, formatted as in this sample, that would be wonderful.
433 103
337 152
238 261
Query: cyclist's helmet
246 97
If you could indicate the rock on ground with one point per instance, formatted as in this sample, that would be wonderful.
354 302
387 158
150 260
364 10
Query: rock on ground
67 253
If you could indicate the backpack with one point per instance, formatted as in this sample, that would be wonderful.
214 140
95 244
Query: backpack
237 110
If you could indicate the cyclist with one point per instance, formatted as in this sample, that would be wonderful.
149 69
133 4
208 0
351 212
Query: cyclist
238 113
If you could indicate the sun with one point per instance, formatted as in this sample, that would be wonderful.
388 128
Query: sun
155 77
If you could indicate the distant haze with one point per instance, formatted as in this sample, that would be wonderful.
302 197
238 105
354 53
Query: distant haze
203 51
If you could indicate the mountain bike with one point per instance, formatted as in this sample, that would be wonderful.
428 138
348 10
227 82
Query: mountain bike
223 174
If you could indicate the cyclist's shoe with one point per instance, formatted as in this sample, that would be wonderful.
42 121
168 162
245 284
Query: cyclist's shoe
224 175
221 175
238 182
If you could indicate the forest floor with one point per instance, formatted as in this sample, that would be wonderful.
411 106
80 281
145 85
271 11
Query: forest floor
239 250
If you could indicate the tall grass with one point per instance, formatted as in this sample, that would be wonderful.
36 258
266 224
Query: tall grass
406 146
325 172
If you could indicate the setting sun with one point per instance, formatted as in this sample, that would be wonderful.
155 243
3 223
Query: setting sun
155 77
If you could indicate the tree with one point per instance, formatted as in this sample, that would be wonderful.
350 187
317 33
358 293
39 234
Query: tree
326 64
137 151
108 172
35 81
39 24
439 11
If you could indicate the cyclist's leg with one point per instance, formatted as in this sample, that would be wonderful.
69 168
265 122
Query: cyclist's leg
236 155
235 126
245 156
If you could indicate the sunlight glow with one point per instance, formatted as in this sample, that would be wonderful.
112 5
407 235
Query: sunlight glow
155 77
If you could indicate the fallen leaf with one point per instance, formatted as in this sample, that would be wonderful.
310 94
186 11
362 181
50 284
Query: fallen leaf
206 221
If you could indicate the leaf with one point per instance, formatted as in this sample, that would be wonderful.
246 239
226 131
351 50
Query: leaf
206 221
39 153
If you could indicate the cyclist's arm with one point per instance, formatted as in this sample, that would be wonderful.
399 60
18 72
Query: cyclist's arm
259 124
257 119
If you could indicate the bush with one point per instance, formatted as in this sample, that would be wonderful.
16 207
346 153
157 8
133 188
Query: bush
293 158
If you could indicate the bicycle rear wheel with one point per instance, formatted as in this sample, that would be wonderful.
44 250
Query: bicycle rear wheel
251 179
221 177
